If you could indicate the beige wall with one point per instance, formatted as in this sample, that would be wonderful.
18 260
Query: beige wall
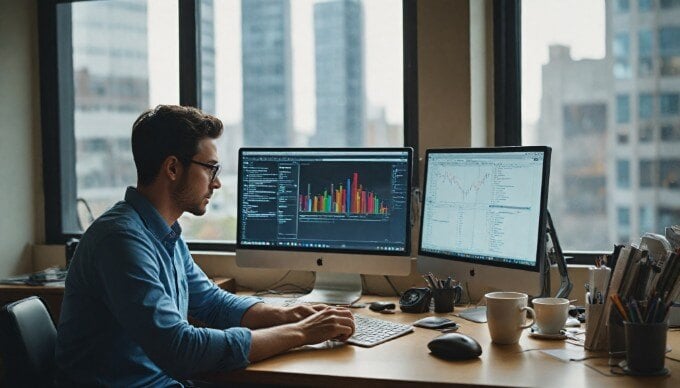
21 211
443 74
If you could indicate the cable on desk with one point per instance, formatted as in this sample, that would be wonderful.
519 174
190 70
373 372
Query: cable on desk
278 281
392 285
611 374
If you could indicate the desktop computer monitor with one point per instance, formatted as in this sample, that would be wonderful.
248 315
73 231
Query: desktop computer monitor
484 218
337 211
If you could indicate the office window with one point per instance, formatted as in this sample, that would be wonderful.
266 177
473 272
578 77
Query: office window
622 6
646 106
669 173
669 104
646 133
251 63
669 4
623 216
666 217
623 174
669 48
621 50
670 132
647 173
645 5
646 219
623 223
563 66
622 109
645 53
585 118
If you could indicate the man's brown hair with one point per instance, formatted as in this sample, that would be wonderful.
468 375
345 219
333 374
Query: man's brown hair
169 130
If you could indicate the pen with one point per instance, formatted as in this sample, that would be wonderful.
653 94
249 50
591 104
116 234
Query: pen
635 309
651 310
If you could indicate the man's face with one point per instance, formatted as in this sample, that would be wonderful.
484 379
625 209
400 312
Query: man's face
196 186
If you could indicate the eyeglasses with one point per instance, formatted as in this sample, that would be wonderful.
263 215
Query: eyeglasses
214 168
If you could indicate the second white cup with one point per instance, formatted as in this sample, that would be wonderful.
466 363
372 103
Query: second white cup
551 314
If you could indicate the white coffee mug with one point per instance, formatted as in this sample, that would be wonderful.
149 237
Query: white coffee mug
506 316
551 314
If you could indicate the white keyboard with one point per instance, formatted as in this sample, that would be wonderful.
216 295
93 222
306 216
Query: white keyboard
368 331
371 331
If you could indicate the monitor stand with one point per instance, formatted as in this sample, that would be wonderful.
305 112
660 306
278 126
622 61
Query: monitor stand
334 288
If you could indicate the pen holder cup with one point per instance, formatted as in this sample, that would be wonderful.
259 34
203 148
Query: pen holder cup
645 348
616 338
596 339
446 298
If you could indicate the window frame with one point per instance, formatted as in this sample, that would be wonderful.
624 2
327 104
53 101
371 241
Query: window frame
56 106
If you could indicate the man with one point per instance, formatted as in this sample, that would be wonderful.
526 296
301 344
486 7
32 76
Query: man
132 281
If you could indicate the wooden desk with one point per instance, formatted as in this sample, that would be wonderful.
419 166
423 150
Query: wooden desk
407 362
54 294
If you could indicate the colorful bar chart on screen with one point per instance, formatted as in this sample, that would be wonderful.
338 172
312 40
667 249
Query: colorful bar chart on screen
350 197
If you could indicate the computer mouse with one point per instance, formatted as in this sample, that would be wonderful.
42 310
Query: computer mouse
380 306
455 346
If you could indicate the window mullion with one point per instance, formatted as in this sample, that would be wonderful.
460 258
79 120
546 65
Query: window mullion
189 53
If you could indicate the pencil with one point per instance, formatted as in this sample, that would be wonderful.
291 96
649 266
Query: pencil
619 306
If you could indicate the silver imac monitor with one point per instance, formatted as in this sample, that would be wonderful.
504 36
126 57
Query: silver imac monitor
484 218
340 212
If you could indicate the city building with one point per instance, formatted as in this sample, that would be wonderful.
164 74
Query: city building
267 73
573 121
340 80
643 42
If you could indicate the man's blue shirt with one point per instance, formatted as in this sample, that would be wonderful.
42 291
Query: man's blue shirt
130 287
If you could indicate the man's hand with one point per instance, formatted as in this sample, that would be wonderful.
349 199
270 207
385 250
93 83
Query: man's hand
322 323
263 315
300 312
327 323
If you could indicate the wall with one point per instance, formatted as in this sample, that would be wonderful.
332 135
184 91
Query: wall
20 167
443 75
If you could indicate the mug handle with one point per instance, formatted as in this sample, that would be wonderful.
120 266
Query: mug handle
531 312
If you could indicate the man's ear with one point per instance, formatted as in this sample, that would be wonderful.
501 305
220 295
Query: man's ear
172 168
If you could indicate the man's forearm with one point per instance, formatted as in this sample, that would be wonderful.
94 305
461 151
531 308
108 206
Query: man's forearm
274 340
261 315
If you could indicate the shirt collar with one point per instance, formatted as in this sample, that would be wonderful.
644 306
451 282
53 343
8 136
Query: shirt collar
151 218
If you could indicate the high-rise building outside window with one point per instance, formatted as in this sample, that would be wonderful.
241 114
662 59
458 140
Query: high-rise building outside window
625 57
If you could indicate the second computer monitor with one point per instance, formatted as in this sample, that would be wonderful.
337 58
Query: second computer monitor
484 217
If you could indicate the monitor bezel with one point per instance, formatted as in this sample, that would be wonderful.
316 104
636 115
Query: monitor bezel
540 248
368 151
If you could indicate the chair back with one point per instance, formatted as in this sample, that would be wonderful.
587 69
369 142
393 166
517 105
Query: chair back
27 341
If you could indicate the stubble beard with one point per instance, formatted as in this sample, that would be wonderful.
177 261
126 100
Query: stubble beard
187 201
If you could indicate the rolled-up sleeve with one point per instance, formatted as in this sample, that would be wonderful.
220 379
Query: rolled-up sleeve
134 284
211 304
